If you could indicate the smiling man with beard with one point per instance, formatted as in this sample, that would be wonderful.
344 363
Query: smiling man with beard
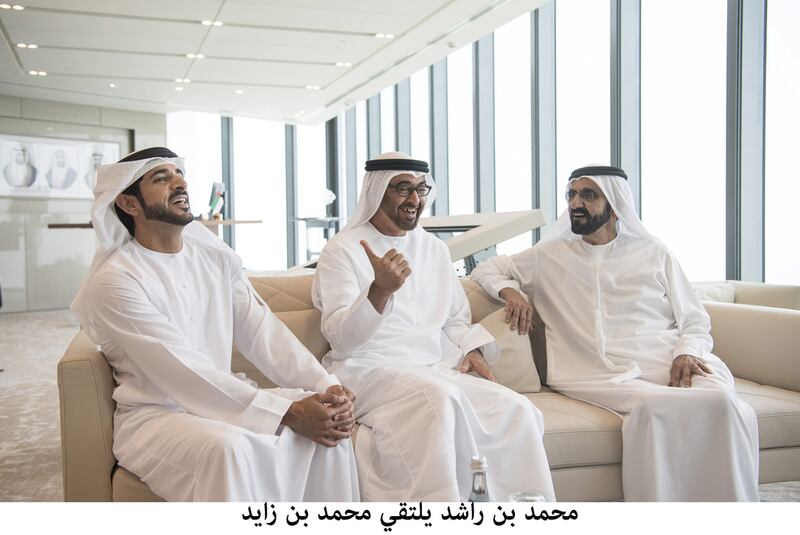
625 331
401 338
166 300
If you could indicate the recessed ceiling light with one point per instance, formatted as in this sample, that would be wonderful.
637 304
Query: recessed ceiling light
190 56
343 64
390 36
178 89
33 46
22 45
42 73
178 80
33 73
112 86
207 23
239 91
200 56
17 7
380 35
312 87
217 23
5 6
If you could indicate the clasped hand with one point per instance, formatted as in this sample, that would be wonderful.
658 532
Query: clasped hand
324 418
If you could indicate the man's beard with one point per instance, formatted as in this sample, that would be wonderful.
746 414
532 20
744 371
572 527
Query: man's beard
593 222
398 219
158 212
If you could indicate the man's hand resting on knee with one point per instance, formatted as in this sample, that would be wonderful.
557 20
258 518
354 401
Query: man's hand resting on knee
324 418
683 367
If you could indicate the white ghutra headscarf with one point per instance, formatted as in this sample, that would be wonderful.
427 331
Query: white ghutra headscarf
112 180
613 182
376 182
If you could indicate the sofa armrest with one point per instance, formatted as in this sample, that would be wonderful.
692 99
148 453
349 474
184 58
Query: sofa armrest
85 386
770 295
758 343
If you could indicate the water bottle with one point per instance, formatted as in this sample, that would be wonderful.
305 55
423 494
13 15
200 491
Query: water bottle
480 490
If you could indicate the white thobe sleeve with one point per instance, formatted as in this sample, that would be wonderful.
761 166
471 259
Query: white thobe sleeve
504 272
458 329
123 312
269 344
349 319
690 315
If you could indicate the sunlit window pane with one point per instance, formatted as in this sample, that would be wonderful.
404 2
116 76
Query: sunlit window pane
583 41
782 255
420 116
197 137
460 131
512 116
311 190
361 143
387 120
683 131
259 164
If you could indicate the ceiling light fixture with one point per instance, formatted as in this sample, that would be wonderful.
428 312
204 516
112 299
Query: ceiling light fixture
239 91
380 35
33 73
42 73
112 86
195 56
5 6
312 87
217 23
343 64
178 89
190 56
200 56
17 7
207 23
182 81
33 46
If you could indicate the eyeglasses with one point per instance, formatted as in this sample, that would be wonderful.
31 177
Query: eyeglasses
588 195
404 189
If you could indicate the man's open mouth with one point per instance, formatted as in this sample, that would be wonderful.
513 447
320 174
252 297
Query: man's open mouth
181 201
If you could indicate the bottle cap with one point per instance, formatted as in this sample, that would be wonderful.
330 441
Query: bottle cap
478 463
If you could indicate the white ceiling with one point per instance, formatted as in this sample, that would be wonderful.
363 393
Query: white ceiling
267 50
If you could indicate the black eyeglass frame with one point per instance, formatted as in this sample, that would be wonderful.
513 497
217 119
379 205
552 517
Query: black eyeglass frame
404 189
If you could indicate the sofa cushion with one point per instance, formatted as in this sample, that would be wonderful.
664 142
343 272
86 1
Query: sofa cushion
514 368
576 433
778 413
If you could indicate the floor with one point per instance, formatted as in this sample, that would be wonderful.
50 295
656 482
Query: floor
30 443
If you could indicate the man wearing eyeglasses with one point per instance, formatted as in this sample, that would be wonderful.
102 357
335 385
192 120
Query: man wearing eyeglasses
401 338
625 331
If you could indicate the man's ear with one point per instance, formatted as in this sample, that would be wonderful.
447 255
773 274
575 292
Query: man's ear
128 204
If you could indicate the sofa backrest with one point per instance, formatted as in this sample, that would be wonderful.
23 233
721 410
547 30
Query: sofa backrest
290 299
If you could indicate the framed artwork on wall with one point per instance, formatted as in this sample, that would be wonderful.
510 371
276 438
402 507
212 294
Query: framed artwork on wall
50 167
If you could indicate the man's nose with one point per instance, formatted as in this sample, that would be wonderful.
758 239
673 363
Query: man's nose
178 182
413 196
575 202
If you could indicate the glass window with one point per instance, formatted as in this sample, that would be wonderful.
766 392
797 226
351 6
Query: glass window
312 193
583 79
460 142
259 168
420 116
361 144
782 258
512 123
683 131
387 120
198 138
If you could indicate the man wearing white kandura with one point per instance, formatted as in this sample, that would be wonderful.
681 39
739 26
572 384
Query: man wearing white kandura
166 300
398 322
625 331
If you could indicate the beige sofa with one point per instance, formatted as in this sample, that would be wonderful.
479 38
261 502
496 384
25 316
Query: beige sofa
583 442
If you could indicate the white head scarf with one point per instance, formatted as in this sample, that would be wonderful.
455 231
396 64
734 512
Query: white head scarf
620 197
112 180
374 187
